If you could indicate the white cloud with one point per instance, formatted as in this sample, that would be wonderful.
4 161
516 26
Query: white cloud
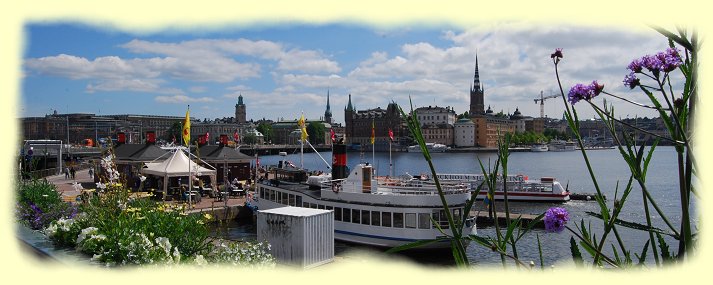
180 99
198 89
307 61
138 85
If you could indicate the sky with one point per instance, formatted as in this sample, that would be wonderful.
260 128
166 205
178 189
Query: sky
284 69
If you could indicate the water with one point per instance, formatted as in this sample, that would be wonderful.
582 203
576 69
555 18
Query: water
567 167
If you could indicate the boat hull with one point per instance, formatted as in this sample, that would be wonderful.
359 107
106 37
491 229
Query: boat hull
369 232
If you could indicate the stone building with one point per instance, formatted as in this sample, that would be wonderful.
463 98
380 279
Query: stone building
240 112
464 133
358 126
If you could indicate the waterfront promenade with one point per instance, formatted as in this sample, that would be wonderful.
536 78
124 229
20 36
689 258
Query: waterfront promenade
69 193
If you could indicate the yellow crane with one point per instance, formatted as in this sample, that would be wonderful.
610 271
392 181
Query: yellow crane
542 101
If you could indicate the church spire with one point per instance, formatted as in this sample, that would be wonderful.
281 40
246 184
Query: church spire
328 112
476 77
349 106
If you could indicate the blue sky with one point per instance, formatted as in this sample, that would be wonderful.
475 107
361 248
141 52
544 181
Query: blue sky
283 69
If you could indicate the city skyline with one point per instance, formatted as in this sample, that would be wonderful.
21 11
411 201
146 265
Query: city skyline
283 70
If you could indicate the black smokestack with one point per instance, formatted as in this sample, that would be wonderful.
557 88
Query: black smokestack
339 161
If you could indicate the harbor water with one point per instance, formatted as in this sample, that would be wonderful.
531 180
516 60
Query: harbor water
567 167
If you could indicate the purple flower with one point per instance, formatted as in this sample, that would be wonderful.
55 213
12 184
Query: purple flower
555 219
631 80
596 87
636 65
557 53
584 92
670 60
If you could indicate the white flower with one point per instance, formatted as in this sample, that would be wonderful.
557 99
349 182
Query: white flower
86 232
77 186
200 260
101 185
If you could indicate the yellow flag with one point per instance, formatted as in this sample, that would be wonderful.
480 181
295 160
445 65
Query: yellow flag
303 128
187 128
373 134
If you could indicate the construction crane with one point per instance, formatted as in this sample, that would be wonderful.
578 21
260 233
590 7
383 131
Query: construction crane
542 101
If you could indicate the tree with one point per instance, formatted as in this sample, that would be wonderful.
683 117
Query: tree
464 115
174 132
250 138
315 131
266 130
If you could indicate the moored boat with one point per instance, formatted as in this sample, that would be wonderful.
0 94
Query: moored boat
367 210
519 187
539 147
432 147
560 145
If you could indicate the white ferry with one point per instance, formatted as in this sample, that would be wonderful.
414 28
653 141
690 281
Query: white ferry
539 147
560 145
366 210
432 147
520 188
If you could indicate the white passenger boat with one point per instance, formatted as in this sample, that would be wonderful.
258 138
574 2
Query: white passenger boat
539 147
519 187
432 147
560 145
385 213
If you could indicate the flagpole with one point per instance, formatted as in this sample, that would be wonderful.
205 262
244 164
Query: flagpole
190 175
373 143
391 166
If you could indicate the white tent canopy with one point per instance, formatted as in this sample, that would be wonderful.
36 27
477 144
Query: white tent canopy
175 166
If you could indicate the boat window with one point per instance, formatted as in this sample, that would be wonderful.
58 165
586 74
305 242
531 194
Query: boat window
292 200
347 217
411 220
337 214
424 221
328 207
365 217
313 206
285 199
355 216
386 219
278 196
262 193
298 201
321 207
398 220
457 214
272 195
375 218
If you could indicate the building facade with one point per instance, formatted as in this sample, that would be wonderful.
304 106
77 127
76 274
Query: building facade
477 94
464 133
78 127
359 124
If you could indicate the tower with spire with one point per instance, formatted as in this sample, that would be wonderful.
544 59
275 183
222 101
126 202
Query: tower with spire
328 112
349 120
477 101
240 113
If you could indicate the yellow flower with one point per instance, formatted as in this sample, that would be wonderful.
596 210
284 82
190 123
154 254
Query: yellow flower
207 216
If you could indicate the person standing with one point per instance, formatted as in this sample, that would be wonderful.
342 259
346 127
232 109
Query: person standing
72 172
66 173
91 173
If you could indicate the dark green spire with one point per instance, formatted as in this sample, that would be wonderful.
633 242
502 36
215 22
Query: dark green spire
349 106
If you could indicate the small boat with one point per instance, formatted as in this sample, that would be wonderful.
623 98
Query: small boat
539 147
383 212
519 187
560 145
432 147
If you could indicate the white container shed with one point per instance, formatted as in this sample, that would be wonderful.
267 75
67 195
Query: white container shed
298 236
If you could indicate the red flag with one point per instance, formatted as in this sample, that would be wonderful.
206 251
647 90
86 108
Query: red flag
331 133
236 137
391 135
207 137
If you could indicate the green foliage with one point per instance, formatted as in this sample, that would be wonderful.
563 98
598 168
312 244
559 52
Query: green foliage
250 139
266 130
315 132
39 204
175 131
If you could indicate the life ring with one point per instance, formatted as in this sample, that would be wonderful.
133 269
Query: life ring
336 187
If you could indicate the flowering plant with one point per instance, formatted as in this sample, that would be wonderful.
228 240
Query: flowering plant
677 112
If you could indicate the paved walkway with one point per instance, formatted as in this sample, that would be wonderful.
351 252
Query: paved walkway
69 193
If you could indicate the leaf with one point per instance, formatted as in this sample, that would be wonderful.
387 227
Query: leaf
574 249
663 246
642 256
633 225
